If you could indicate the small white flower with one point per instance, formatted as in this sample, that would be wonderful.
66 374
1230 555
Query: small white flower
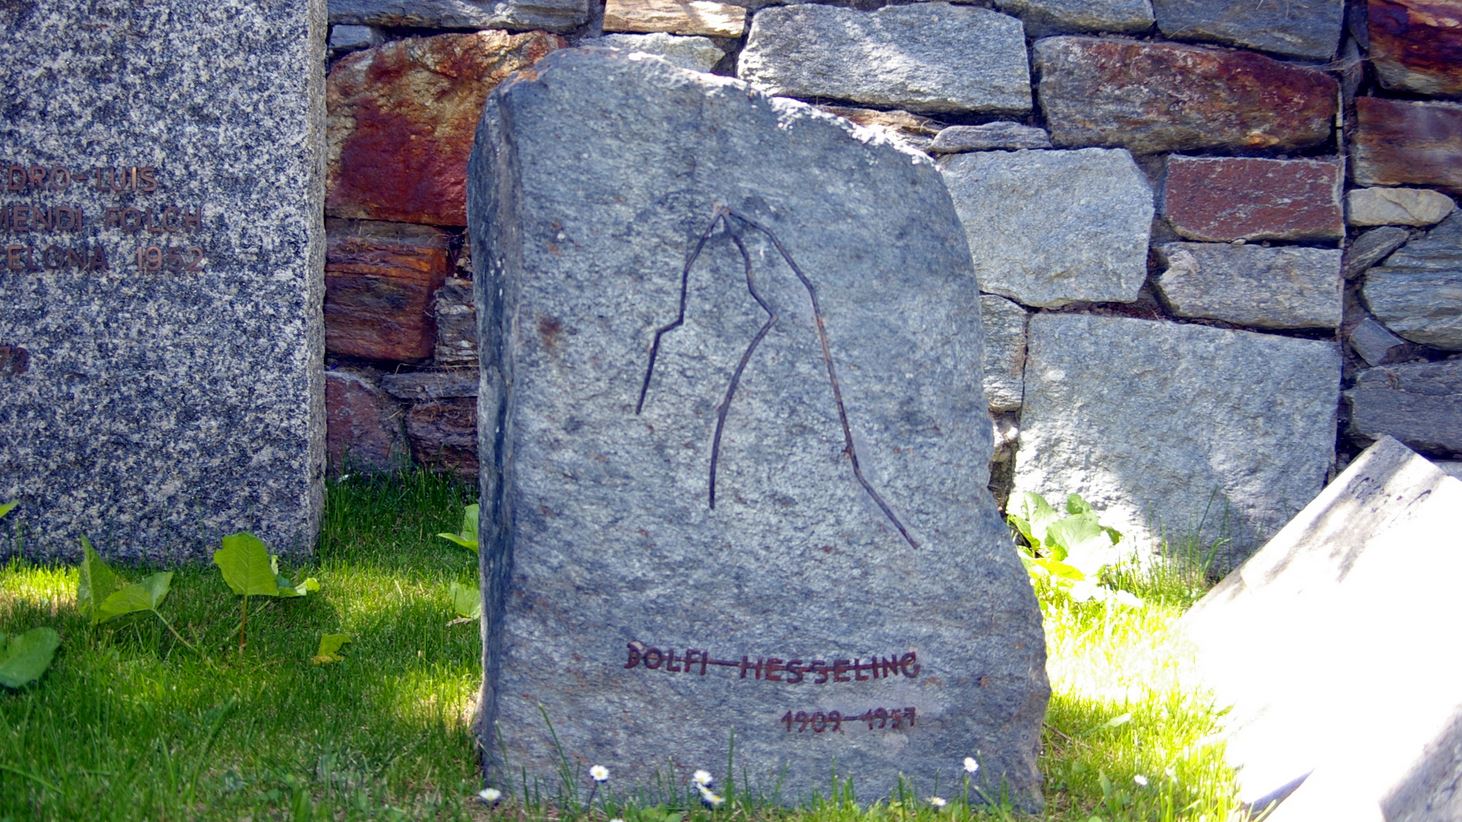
1140 780
490 795
937 801
971 765
702 778
599 773
710 798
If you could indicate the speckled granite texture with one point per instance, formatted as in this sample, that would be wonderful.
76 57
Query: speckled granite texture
166 397
647 625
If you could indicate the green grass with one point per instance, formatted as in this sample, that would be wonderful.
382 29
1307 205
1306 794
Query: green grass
130 724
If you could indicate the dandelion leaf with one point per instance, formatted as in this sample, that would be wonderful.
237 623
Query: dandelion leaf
7 507
468 538
138 596
466 600
24 657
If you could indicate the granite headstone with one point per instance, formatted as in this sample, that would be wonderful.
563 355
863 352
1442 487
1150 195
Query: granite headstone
161 284
734 449
1332 645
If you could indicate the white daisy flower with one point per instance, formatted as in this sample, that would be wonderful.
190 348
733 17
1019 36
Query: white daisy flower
971 765
1140 780
937 801
710 798
490 795
702 778
599 773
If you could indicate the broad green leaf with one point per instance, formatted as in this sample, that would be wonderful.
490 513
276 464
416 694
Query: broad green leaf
1076 505
247 567
1082 542
329 650
7 507
1060 570
468 538
287 590
95 583
139 596
466 600
23 658
1024 528
1035 511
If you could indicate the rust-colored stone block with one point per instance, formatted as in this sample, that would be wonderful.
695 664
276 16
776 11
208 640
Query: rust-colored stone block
1222 199
702 17
444 435
363 425
379 283
1416 45
1152 97
401 118
1400 143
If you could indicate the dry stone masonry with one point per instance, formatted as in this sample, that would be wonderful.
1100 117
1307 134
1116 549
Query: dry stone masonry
733 448
160 284
1201 164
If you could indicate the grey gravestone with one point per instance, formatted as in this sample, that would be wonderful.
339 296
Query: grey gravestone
161 333
852 603
1333 646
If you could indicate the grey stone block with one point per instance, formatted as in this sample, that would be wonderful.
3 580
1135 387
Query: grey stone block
1249 285
162 282
955 139
1043 17
347 37
591 186
1373 343
1372 247
1048 228
1323 622
1005 327
1418 291
1299 28
1396 206
694 53
1418 403
1178 430
422 386
920 57
551 15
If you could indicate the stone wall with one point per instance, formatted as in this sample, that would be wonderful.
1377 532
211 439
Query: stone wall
1216 237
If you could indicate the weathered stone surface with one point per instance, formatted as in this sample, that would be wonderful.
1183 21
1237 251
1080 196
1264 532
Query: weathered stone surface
1221 199
1152 97
1401 143
1417 403
1251 285
1174 430
160 288
694 53
401 118
1416 45
1299 28
1397 206
586 231
1048 228
423 386
1373 343
353 38
379 282
1043 17
1005 325
955 139
912 130
363 425
922 57
444 435
553 15
1372 247
1323 622
1418 291
456 321
700 17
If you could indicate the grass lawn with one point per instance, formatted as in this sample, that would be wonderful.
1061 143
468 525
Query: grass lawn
131 724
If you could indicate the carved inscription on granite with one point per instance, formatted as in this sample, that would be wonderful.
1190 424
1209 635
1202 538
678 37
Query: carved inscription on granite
89 218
